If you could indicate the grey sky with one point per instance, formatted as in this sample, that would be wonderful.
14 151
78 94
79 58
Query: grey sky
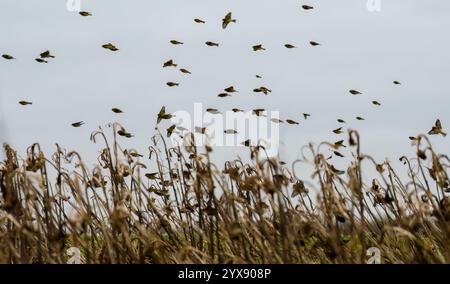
407 41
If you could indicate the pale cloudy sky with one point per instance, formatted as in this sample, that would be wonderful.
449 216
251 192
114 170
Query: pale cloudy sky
406 41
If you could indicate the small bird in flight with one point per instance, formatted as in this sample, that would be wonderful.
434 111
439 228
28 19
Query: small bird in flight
170 130
223 95
288 45
185 71
230 89
264 90
85 14
338 131
176 42
40 60
355 92
172 84
163 115
124 133
307 7
258 111
213 110
116 110
78 124
230 131
376 103
437 129
199 21
313 43
110 46
169 63
258 47
25 103
210 43
8 57
227 20
46 54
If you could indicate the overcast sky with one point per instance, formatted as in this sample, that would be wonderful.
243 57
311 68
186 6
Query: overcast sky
408 40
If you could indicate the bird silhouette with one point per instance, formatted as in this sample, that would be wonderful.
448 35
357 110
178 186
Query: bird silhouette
227 20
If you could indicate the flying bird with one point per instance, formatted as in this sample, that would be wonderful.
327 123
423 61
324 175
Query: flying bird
230 89
116 110
199 21
227 20
223 95
46 54
124 133
163 115
258 111
77 124
210 43
355 92
307 7
287 45
169 63
25 103
230 131
338 131
258 47
172 84
40 60
276 120
338 154
170 130
437 129
185 71
313 43
246 143
110 46
213 110
376 103
85 14
8 57
176 42
339 144
306 115
264 90
290 121
397 83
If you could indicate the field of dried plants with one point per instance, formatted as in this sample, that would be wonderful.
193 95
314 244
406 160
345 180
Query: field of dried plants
193 211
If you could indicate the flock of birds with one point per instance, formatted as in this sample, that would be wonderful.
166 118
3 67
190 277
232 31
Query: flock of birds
228 19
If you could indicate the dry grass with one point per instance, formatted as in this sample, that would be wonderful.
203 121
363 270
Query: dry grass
192 211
